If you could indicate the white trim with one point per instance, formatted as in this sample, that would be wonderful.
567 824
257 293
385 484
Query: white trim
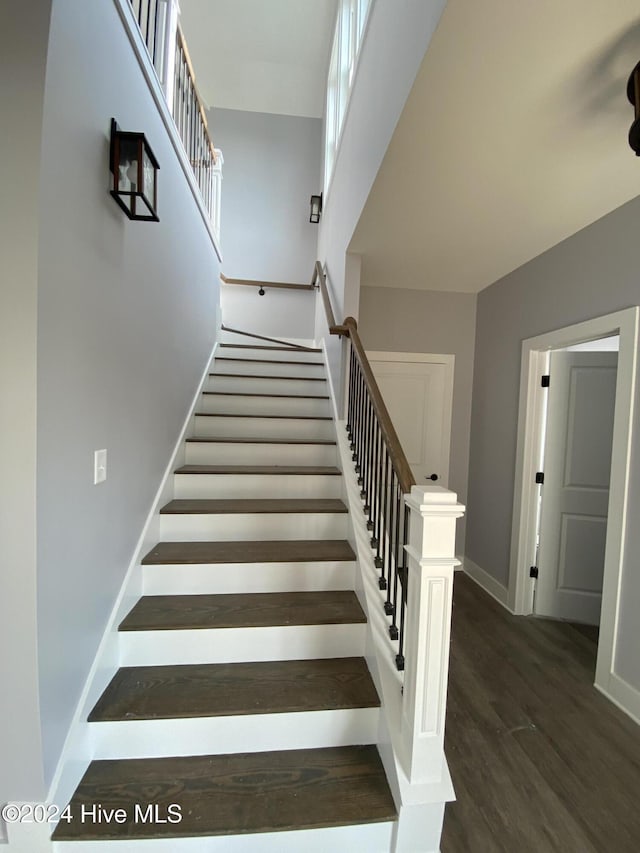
125 11
488 583
622 694
365 32
534 351
76 752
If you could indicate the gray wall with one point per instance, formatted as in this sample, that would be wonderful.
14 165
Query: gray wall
280 313
126 322
24 30
271 168
595 272
398 320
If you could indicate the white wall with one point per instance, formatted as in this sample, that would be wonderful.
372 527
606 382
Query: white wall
397 36
280 313
126 322
397 320
24 30
271 168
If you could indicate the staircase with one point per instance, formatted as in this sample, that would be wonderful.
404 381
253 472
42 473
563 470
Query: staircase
243 716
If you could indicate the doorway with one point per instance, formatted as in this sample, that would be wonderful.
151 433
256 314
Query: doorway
417 389
575 472
527 504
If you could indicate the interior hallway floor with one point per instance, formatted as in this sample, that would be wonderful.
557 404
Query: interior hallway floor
541 761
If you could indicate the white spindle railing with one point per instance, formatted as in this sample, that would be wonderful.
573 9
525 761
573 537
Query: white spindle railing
166 45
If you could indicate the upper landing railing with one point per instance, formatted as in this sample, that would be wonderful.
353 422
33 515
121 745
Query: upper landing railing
159 27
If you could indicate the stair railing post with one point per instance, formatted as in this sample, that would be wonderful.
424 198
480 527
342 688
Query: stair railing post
431 562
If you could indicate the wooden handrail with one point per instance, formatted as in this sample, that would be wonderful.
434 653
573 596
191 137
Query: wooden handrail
271 340
349 328
396 453
182 44
255 283
320 280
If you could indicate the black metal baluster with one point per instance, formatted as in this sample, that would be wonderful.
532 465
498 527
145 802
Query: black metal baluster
375 485
388 520
156 16
364 491
404 589
356 417
350 394
360 439
371 470
393 628
377 522
148 25
393 561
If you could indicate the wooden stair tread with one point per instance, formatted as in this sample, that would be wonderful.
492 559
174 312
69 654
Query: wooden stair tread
303 470
272 551
268 361
269 417
209 506
274 378
258 440
292 350
260 394
186 691
233 794
243 610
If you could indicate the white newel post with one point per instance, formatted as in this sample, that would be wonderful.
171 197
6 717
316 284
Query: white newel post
431 562
216 205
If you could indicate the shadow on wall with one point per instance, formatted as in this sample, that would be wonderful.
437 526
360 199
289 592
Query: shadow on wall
599 88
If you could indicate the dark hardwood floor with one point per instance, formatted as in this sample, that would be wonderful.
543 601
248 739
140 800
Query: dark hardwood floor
541 761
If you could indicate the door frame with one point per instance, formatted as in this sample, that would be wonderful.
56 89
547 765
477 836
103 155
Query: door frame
448 361
531 413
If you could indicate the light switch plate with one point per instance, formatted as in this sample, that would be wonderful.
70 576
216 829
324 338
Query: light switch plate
99 466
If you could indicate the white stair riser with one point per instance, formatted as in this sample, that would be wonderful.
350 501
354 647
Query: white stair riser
234 486
265 385
235 645
368 837
228 453
239 733
263 405
256 352
184 579
240 526
231 365
264 427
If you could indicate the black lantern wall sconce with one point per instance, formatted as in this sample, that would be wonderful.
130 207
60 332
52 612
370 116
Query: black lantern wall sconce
135 174
316 208
633 93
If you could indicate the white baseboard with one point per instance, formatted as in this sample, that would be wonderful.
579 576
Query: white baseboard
77 751
623 695
488 583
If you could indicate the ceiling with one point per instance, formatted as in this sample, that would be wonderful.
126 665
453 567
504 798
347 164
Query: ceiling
513 138
261 55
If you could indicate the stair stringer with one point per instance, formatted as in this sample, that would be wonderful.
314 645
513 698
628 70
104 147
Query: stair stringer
420 806
78 749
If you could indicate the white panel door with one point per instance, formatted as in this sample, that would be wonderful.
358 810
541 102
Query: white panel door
418 390
575 494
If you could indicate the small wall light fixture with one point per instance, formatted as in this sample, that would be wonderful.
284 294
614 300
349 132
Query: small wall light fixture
261 292
633 93
135 174
316 208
